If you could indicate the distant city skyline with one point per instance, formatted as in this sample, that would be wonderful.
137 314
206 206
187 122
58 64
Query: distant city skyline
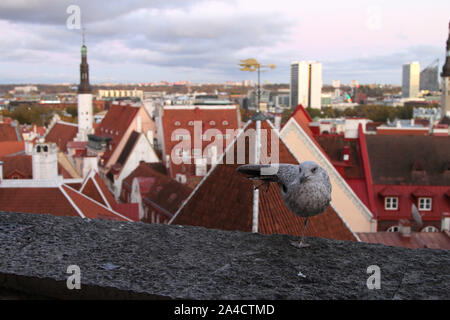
202 41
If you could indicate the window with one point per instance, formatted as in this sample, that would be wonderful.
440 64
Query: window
177 123
212 123
430 229
393 229
425 204
225 122
391 203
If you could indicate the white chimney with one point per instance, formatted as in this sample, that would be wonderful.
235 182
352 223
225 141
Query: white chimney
445 225
405 228
45 161
28 147
278 121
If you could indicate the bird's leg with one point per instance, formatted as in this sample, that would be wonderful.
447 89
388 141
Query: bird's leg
300 243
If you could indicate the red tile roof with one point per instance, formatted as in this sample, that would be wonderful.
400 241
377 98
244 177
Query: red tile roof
36 200
10 147
157 189
229 206
61 134
17 165
220 118
95 188
90 208
59 201
433 240
8 132
115 124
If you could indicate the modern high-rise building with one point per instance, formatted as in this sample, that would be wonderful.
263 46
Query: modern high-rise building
306 84
446 80
429 77
411 80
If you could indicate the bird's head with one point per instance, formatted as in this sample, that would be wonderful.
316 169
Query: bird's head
310 171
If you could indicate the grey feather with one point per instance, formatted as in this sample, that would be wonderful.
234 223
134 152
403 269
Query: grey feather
305 188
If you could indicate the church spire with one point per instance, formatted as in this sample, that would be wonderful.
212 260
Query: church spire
446 68
84 86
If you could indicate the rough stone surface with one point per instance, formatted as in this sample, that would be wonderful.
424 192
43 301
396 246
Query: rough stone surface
129 260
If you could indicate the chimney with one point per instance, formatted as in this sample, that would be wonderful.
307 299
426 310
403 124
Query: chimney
45 161
445 225
28 147
405 228
346 154
278 121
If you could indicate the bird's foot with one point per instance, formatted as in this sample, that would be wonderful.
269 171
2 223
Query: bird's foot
299 244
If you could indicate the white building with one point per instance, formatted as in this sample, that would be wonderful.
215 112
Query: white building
306 84
411 80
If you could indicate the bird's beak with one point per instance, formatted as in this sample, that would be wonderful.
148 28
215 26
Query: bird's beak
253 172
303 178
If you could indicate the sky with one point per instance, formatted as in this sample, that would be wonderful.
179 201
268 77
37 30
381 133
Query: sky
203 41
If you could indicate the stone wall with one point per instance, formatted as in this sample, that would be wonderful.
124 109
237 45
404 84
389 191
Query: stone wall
129 260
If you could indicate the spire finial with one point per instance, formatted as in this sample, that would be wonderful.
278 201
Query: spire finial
83 34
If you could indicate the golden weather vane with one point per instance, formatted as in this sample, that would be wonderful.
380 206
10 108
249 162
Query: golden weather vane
252 65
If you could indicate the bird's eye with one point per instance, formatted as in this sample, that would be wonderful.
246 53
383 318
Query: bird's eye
314 170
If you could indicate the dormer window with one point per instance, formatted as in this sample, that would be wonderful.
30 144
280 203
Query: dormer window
177 123
430 229
191 123
225 122
393 229
212 123
391 203
424 204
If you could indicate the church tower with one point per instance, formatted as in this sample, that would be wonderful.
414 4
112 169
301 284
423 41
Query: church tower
85 117
446 80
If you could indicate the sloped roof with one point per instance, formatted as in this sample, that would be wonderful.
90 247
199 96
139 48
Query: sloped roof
95 188
61 134
20 162
8 132
58 200
392 159
432 240
183 117
224 200
115 124
10 147
36 200
158 189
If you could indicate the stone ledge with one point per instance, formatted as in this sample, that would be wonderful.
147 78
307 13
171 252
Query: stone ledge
128 260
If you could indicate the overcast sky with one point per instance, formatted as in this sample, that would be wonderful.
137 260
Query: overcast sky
202 41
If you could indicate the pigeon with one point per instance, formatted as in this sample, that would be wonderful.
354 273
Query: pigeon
305 188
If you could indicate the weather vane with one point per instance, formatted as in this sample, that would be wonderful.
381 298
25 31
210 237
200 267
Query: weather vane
252 65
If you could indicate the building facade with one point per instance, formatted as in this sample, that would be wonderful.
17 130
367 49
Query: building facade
446 81
306 84
411 80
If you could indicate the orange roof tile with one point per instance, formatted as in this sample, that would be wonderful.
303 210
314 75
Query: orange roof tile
8 132
10 147
224 200
61 134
